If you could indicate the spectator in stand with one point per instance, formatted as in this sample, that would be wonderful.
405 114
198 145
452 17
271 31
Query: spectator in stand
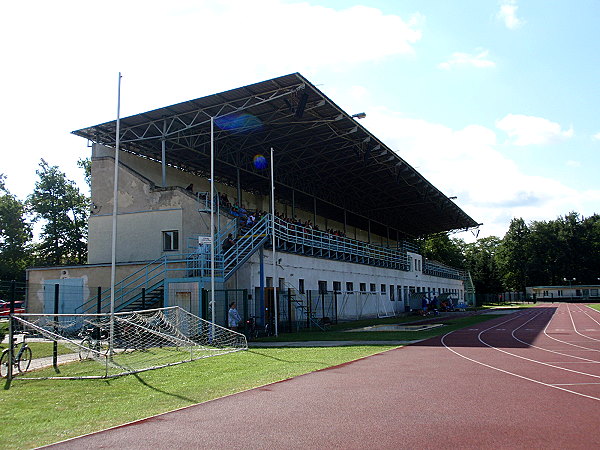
228 243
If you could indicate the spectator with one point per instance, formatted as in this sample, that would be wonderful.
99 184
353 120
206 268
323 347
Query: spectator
233 317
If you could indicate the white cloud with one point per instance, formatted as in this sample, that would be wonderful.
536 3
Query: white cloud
596 137
572 163
479 60
531 130
68 56
490 187
508 14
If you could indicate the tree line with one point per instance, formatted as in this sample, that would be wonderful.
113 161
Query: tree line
58 209
541 253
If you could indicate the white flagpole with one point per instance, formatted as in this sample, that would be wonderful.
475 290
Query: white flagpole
212 222
113 265
275 278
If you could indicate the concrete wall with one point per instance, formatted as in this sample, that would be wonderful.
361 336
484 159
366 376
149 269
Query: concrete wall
93 276
312 270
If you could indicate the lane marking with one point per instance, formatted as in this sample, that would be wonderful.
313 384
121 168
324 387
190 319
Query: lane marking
512 373
574 384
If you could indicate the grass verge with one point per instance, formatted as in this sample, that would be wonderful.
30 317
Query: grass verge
339 332
41 412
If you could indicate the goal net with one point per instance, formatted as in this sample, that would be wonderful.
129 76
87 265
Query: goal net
89 347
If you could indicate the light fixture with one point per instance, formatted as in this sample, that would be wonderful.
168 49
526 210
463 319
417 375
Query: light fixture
361 115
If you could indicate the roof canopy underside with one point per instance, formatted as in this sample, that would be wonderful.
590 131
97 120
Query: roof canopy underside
321 153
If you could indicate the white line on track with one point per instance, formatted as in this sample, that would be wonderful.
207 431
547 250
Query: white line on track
573 384
512 373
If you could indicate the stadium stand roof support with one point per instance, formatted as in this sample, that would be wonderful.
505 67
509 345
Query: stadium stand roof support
321 153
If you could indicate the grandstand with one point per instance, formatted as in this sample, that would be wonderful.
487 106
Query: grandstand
348 210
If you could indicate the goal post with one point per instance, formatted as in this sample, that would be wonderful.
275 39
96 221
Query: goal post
141 340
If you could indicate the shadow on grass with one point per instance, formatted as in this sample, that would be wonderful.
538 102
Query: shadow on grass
170 394
286 360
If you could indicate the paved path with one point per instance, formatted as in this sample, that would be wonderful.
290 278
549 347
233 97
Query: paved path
526 380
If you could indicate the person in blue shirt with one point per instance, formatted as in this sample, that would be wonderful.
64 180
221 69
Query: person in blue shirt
233 317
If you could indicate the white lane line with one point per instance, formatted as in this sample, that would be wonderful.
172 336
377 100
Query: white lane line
575 328
515 374
545 349
573 384
566 342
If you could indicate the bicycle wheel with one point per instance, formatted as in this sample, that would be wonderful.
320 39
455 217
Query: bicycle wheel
4 364
24 360
85 348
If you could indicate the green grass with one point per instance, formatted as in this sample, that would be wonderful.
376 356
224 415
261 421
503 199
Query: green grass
595 306
338 333
42 349
35 413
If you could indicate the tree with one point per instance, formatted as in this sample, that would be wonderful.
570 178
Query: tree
15 234
443 249
481 261
64 211
513 255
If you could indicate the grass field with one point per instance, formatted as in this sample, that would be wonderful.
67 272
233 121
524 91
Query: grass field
41 412
339 332
595 306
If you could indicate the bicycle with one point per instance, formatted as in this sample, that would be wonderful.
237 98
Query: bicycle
251 328
92 341
21 358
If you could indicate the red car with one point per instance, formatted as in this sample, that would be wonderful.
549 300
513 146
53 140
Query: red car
5 307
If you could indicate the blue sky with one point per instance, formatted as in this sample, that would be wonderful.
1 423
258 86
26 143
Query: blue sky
492 101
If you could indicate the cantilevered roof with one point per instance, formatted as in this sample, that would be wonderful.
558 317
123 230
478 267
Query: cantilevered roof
324 158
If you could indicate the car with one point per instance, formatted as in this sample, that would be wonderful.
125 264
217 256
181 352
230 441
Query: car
5 307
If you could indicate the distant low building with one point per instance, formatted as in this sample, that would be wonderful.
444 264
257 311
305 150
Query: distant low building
565 292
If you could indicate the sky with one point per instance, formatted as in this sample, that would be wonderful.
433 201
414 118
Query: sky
493 101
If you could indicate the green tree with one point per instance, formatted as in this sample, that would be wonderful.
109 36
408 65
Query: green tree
63 209
444 249
513 255
481 261
15 234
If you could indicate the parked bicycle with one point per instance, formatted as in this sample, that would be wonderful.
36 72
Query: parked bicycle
251 328
21 358
93 339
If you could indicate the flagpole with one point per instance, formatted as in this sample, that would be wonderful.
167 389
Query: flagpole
275 278
113 265
212 222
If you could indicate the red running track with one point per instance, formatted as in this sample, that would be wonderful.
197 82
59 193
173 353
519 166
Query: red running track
530 379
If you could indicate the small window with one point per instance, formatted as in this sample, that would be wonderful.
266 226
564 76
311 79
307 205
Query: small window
363 287
391 292
322 287
337 286
373 287
301 285
349 286
383 288
560 293
170 240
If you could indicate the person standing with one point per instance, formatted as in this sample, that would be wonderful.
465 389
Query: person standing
233 317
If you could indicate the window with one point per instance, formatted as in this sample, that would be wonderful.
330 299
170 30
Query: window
373 287
269 282
337 286
349 286
560 293
322 287
301 285
363 287
391 292
383 288
170 240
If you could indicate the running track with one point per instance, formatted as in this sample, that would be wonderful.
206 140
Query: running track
530 379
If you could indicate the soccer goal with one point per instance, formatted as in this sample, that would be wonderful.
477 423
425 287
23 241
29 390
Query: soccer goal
72 346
